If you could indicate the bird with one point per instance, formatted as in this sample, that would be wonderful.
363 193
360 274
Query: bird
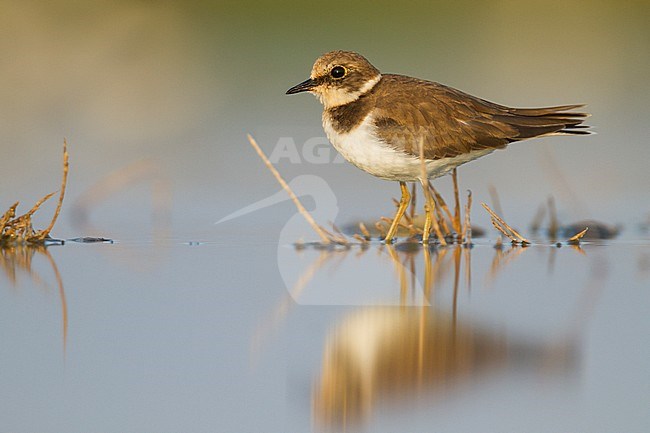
406 129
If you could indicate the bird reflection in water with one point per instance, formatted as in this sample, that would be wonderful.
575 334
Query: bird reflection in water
417 351
395 355
390 353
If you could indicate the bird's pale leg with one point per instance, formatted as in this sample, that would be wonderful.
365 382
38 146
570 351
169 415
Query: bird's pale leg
430 220
428 212
427 219
403 204
456 222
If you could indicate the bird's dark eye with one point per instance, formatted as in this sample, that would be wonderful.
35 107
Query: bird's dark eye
338 72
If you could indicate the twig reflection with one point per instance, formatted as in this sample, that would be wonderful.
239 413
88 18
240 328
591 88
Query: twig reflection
18 259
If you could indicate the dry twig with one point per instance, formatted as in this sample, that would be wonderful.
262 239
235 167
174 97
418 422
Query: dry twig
322 233
441 206
538 219
553 222
575 239
381 229
364 231
504 228
430 205
456 220
16 230
466 236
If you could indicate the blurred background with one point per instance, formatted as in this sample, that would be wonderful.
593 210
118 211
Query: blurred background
181 83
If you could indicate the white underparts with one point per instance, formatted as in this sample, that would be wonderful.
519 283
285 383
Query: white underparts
362 148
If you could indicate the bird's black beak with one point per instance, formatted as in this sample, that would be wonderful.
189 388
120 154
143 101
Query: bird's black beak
305 86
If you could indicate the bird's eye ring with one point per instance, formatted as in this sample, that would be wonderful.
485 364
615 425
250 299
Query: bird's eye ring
338 72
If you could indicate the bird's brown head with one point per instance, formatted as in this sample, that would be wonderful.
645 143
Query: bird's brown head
339 77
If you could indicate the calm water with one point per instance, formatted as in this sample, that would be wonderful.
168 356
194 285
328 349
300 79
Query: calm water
237 332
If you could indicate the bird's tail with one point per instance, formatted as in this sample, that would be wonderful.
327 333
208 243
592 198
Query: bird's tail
536 122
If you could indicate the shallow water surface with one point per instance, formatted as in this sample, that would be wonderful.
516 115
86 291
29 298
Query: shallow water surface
181 335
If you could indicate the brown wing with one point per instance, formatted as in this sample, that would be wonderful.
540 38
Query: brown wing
450 122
